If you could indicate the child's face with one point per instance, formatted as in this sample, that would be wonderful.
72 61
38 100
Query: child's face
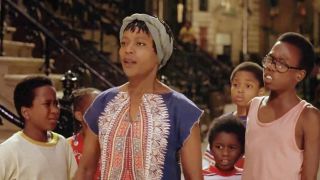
286 54
87 101
226 150
137 54
244 87
44 113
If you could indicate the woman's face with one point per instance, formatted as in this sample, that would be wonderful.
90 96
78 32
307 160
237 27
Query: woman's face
137 54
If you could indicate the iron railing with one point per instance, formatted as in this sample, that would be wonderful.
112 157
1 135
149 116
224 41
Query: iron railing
49 39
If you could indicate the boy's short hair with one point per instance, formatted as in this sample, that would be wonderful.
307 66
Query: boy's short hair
307 59
228 124
79 95
23 95
251 67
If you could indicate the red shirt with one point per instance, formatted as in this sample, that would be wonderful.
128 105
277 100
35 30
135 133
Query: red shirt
213 173
76 142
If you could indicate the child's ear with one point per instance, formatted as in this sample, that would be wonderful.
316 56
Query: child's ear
78 115
300 75
25 113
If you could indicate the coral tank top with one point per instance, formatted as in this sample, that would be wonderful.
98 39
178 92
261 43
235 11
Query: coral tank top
270 149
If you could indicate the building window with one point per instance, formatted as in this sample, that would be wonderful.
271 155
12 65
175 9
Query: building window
203 5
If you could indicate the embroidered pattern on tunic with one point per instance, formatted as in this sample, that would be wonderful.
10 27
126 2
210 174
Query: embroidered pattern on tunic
133 150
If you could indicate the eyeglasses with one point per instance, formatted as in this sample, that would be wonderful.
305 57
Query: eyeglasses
281 67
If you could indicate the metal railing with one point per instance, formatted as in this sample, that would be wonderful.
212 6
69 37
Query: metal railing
7 114
49 39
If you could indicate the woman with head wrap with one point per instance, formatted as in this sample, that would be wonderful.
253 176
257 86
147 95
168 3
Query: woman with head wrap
142 128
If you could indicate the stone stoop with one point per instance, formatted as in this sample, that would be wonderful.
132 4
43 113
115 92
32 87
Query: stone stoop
110 43
20 65
14 65
9 82
8 32
18 49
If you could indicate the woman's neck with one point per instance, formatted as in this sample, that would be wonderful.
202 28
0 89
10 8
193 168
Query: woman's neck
142 86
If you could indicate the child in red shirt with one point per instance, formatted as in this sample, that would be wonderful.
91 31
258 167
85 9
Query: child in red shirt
226 140
82 99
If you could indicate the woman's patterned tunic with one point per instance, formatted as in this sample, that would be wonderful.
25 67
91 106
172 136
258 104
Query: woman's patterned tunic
147 148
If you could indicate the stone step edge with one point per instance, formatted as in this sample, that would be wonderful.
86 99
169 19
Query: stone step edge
21 59
18 43
11 79
10 29
13 59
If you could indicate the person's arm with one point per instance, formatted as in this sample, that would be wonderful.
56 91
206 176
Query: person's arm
191 155
311 153
90 157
